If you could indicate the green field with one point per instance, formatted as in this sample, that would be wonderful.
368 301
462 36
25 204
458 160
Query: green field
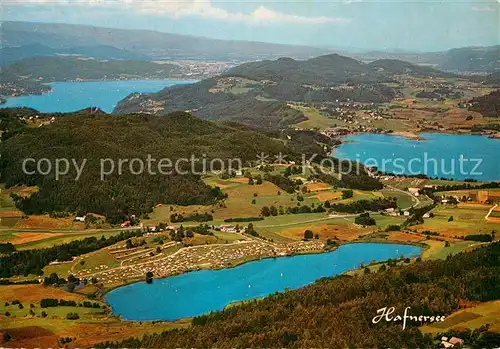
316 120
466 221
438 250
65 238
482 314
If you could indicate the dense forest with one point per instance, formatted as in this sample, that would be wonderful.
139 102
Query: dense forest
243 108
338 312
93 137
488 105
102 141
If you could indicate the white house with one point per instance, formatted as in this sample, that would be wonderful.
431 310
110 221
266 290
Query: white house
228 228
414 191
80 219
406 213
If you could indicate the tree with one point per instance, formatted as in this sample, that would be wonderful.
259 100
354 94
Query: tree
6 337
44 314
308 234
149 277
347 194
72 316
364 219
265 211
251 231
447 244
250 181
129 244
273 210
93 280
316 236
382 268
367 270
70 286
259 179
450 219
158 249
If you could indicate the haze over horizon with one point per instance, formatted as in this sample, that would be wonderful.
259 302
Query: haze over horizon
349 25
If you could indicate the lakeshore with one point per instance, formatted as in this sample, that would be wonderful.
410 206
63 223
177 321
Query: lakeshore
211 290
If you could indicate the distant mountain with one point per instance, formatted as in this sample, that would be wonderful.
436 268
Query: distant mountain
398 67
472 59
257 93
157 45
9 55
466 59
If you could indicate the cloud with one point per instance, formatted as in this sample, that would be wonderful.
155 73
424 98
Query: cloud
192 8
484 8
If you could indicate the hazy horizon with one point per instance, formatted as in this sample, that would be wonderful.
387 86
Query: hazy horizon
355 25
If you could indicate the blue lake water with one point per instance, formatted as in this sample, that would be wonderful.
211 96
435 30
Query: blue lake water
73 96
200 292
437 155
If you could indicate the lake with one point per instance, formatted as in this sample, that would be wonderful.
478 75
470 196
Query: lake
73 96
200 292
436 155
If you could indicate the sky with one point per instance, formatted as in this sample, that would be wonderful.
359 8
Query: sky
356 25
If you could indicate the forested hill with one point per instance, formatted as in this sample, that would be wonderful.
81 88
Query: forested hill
488 105
257 92
49 69
338 312
398 67
329 70
9 55
98 136
30 75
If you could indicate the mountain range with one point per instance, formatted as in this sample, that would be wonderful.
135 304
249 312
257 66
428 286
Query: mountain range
25 39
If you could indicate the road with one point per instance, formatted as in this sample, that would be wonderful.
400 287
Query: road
308 221
413 198
489 212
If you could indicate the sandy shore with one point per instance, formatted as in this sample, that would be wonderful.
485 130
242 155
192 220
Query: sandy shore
406 134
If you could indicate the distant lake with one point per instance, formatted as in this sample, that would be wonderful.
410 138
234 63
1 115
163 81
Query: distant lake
73 96
200 292
437 155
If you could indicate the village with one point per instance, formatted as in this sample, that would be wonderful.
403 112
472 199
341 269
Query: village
190 258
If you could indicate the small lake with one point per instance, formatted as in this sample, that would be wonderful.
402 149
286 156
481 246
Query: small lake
436 155
73 96
200 292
